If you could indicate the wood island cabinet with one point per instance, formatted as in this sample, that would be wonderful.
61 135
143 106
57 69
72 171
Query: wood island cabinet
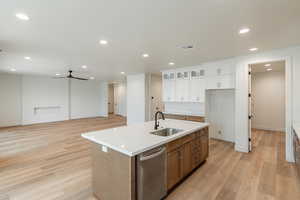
186 154
173 167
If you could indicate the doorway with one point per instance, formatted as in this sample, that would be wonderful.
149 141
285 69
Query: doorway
267 100
111 99
156 103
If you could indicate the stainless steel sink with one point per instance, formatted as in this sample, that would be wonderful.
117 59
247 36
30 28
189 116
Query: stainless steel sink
166 132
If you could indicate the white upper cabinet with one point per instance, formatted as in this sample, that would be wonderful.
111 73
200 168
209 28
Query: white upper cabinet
182 86
189 85
220 82
197 90
220 77
169 85
199 73
220 70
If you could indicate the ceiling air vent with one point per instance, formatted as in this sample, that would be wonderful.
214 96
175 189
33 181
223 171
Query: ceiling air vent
187 47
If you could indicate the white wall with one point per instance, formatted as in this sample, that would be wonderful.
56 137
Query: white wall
44 99
292 57
88 99
120 98
137 98
268 95
35 99
10 100
194 109
220 114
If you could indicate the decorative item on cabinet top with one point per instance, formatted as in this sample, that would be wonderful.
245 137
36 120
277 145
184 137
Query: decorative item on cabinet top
169 76
183 75
198 73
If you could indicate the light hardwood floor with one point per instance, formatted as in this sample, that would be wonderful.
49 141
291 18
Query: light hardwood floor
52 161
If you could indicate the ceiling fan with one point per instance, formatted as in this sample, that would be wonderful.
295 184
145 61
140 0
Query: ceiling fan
73 77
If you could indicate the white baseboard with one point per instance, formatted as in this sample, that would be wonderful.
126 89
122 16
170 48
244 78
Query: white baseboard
261 127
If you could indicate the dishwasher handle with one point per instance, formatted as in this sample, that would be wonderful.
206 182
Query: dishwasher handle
143 158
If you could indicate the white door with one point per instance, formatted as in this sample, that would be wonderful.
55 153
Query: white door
250 108
111 99
116 99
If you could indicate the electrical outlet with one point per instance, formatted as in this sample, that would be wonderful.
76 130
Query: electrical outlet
104 149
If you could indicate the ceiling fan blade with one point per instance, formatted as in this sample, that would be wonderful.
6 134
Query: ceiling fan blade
83 79
58 77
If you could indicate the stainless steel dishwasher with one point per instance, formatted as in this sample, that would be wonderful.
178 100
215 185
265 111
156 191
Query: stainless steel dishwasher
152 174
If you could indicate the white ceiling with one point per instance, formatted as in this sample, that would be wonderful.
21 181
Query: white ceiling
275 66
65 34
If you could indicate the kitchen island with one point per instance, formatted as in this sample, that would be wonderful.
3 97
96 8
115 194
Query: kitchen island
134 163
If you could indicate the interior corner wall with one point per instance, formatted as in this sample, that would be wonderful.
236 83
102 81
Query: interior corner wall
268 94
10 100
136 98
88 99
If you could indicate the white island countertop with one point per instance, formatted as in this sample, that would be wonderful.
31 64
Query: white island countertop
296 127
135 139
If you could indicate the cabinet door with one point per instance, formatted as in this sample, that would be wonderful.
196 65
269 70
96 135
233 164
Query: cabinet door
211 82
182 90
220 82
173 168
204 142
226 82
197 90
168 90
187 164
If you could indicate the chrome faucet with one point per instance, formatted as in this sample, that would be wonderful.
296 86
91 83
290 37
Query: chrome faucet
156 120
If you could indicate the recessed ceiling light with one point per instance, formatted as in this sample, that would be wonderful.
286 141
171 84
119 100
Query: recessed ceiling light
92 78
244 30
267 65
171 63
145 55
57 74
27 58
13 70
122 72
22 16
83 66
103 42
253 49
269 69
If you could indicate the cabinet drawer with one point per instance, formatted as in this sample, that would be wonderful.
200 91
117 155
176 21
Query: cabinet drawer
187 138
174 145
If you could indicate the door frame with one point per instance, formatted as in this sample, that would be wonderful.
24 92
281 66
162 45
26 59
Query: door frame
288 103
